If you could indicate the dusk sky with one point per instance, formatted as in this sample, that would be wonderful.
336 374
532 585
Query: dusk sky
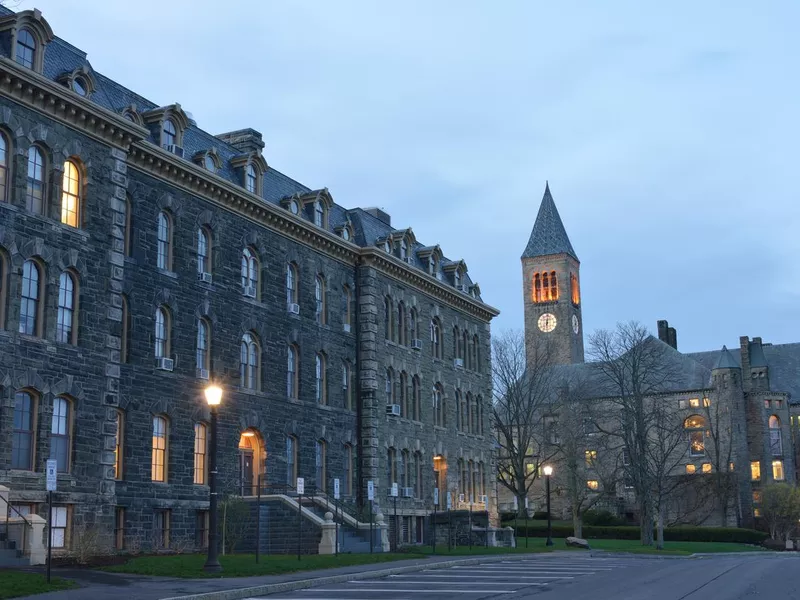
668 131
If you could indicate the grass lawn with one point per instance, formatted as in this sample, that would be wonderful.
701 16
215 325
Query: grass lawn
244 565
14 584
673 548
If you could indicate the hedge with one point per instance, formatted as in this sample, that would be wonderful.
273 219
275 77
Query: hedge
671 534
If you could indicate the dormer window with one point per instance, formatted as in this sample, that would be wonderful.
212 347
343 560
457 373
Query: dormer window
387 246
403 250
294 207
346 234
26 48
319 214
456 278
250 179
209 164
169 133
79 86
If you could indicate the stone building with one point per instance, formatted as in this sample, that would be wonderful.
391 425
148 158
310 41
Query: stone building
745 397
142 258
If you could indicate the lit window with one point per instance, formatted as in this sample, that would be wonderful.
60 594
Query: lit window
34 189
200 447
202 355
691 469
775 441
60 434
249 273
545 287
755 470
706 402
591 457
250 179
119 445
695 427
575 289
706 467
694 402
3 168
757 497
70 194
756 512
22 437
291 373
319 463
203 262
29 305
291 461
320 387
319 298
164 256
162 333
169 133
158 467
592 484
777 470
249 362
26 48
66 309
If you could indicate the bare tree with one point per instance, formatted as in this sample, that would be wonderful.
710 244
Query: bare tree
718 447
631 370
523 406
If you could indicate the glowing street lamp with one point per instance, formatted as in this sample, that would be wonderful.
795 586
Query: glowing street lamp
548 472
213 395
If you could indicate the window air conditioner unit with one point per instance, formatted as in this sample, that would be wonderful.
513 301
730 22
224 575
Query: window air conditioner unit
202 373
175 149
346 327
458 363
164 364
407 492
204 277
416 344
393 409
294 308
461 497
250 291
464 288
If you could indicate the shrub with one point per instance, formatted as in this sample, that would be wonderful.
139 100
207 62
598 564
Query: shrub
601 517
540 515
771 544
671 534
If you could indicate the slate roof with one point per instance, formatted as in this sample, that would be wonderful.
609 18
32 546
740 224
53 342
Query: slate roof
548 235
61 58
726 360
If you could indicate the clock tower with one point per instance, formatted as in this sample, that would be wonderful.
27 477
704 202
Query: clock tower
551 290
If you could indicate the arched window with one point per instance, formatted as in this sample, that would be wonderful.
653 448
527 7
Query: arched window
71 195
3 287
209 164
403 250
158 460
250 179
553 294
249 361
416 398
436 338
291 460
34 189
461 412
479 413
404 468
320 451
404 406
321 386
119 444
23 435
169 134
346 308
402 333
438 406
319 214
389 386
162 337
250 272
418 475
124 343
456 343
476 364
291 284
473 414
200 451
26 48
775 441
65 332
202 354
575 289
391 466
292 368
388 318
348 470
252 458
128 233
203 251
60 433
465 353
164 257
29 316
347 387
412 325
4 154
457 278
545 287
695 426
319 299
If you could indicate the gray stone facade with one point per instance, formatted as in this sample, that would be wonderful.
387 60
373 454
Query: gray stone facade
110 375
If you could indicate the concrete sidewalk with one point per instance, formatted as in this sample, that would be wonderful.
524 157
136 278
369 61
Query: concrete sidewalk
101 585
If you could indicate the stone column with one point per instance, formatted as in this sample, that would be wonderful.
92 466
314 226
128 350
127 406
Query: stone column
368 377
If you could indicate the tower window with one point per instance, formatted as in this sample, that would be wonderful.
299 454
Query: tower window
545 287
574 289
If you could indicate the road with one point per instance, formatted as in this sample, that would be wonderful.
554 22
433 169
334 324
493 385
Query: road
725 577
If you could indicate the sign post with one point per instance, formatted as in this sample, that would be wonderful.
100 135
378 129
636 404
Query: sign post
435 506
526 521
52 482
396 524
301 486
370 497
336 507
449 520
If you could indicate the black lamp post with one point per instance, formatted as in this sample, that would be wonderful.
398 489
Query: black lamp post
548 471
213 398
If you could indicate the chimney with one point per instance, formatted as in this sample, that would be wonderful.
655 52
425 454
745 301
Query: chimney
667 334
673 337
379 214
244 140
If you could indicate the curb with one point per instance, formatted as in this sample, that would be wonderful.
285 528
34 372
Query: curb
301 584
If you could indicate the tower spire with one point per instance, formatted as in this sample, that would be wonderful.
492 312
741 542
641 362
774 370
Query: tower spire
548 235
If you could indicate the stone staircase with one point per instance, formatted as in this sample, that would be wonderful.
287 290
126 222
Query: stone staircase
21 537
351 539
10 555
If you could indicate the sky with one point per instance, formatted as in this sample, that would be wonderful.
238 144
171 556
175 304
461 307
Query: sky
667 130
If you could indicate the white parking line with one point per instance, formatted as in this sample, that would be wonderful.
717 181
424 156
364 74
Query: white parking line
532 571
491 576
460 592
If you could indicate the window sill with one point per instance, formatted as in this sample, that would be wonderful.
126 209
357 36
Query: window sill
243 390
168 273
247 299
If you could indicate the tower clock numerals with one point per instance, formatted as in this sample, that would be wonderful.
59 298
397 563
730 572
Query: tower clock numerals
575 325
547 322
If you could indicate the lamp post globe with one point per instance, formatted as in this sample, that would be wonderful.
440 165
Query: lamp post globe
548 472
213 394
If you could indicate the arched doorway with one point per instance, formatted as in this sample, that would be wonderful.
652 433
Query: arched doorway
252 458
440 478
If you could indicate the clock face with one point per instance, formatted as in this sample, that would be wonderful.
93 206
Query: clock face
547 322
575 324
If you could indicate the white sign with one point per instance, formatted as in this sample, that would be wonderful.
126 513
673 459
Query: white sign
449 500
335 489
436 496
394 490
52 474
370 490
301 485
526 503
516 503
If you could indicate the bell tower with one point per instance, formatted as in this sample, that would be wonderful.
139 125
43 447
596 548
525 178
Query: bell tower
551 289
